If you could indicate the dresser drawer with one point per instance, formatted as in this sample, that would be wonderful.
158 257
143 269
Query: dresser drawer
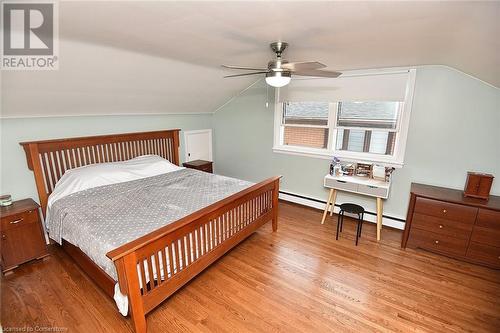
445 210
442 226
437 242
341 185
484 253
488 218
486 236
18 220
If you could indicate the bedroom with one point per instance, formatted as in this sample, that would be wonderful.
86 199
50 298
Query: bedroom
101 238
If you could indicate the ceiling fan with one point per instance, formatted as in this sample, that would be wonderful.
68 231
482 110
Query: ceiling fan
279 71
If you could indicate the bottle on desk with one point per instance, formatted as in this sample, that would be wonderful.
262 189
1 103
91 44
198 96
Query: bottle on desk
335 167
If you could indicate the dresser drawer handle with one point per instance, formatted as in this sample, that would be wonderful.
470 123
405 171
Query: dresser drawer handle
440 226
16 221
444 211
437 242
341 181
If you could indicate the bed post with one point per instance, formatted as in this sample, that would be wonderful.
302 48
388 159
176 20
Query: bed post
136 305
176 148
33 159
276 192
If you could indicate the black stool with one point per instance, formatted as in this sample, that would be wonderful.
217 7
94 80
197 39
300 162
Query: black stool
353 209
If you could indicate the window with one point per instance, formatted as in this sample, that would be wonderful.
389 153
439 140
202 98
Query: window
306 124
336 124
368 127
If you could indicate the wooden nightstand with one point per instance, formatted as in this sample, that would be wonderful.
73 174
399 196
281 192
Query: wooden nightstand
22 237
199 165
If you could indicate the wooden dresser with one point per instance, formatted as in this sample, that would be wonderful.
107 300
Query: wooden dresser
442 220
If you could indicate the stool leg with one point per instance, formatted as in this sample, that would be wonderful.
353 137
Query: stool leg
357 230
341 220
361 226
338 226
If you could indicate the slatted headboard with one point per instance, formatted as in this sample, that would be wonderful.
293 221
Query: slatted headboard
49 159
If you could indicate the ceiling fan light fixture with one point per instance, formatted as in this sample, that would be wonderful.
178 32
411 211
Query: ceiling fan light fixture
278 79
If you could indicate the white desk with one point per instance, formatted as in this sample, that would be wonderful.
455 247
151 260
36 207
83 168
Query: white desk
360 185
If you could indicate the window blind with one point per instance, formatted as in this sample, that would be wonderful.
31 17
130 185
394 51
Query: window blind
368 87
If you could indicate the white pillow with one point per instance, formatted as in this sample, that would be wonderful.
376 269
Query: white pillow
82 178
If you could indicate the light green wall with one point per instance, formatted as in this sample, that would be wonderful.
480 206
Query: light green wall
17 179
455 127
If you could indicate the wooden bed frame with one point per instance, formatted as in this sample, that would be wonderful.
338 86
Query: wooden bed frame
211 231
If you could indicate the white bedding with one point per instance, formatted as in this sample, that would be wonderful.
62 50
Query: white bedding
95 175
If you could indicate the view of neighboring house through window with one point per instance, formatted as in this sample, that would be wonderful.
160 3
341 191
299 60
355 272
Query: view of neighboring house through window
368 127
306 124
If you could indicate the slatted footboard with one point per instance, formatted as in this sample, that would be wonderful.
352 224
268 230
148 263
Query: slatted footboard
153 267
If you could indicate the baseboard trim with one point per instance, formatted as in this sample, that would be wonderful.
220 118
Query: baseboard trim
387 220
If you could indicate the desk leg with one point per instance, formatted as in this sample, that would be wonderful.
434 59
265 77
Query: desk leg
334 198
327 205
380 211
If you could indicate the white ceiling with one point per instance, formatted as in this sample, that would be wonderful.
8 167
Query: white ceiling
164 57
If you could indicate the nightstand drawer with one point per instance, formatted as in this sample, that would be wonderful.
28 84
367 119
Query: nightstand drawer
20 219
446 210
206 168
22 244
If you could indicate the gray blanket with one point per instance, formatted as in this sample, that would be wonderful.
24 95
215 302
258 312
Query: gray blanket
101 219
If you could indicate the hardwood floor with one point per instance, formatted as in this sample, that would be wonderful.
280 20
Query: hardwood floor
296 280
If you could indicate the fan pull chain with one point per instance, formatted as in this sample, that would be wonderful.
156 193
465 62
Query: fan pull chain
267 96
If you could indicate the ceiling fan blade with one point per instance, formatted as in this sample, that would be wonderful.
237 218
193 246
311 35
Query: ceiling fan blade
244 68
245 74
299 65
317 73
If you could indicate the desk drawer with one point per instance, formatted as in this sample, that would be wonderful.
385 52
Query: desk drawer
446 210
442 226
484 253
437 242
341 185
19 220
488 218
373 191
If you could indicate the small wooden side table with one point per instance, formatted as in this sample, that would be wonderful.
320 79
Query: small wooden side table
199 165
22 233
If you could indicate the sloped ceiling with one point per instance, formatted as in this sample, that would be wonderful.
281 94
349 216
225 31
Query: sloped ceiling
126 57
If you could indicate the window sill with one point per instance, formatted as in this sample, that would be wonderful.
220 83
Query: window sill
328 155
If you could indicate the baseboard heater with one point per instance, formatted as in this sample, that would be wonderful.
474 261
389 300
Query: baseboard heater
337 205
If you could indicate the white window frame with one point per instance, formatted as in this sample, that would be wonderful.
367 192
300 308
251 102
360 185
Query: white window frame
395 160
